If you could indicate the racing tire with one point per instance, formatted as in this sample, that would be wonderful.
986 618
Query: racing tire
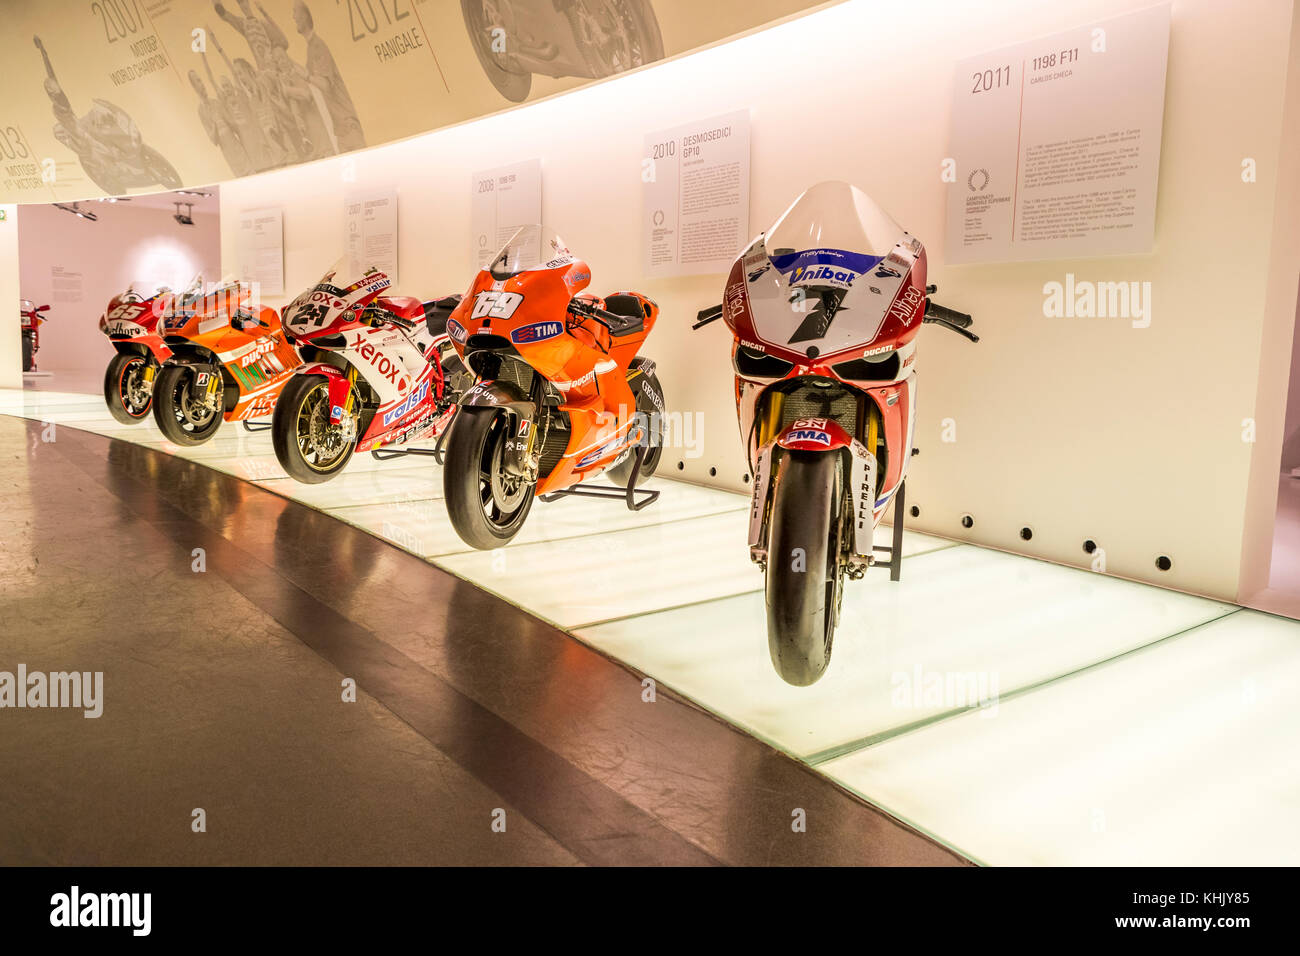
650 414
160 170
304 395
804 582
169 400
117 381
471 467
512 84
29 352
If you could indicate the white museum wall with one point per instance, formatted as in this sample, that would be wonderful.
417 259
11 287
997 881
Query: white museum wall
129 242
1079 428
11 345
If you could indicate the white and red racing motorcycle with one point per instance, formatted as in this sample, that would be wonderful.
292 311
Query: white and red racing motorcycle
378 370
824 308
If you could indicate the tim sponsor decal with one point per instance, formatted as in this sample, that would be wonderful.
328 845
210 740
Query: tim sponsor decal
537 332
412 401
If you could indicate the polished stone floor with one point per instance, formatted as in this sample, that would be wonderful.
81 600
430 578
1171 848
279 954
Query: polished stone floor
225 620
1016 711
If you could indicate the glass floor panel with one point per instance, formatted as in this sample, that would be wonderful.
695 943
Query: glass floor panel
1020 711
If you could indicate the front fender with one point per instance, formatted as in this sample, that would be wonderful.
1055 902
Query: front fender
498 394
813 434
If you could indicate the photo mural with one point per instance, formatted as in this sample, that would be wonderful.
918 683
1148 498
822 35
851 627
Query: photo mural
107 97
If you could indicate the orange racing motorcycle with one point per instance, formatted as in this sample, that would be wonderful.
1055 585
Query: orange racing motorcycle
229 359
560 394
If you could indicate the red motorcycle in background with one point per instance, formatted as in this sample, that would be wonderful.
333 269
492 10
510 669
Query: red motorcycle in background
31 331
824 309
379 371
131 322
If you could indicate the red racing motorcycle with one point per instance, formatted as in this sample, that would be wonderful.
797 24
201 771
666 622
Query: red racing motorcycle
31 322
132 323
824 309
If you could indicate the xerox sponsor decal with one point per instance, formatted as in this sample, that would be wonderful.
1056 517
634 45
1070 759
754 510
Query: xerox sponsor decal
414 399
834 267
381 362
456 330
537 332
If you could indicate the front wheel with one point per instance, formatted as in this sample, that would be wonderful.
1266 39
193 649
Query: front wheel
180 417
487 506
126 392
804 583
308 447
29 350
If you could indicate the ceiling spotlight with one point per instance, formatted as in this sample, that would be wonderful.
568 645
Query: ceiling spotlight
185 218
76 210
192 192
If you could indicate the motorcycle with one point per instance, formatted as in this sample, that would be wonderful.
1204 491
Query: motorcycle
514 39
379 371
32 320
824 309
229 360
131 323
560 394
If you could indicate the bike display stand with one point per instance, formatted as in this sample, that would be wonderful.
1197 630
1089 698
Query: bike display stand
635 498
256 426
387 454
895 549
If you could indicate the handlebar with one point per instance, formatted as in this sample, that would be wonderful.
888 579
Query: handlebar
705 316
959 322
617 324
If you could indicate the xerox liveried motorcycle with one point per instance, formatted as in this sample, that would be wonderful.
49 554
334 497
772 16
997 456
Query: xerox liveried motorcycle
379 371
824 309
131 323
560 394
229 359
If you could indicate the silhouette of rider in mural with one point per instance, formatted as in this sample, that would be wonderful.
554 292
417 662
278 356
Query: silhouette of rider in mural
106 140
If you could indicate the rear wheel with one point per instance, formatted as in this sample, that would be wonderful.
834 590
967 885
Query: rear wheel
126 392
486 505
29 352
482 17
180 418
804 583
308 447
643 381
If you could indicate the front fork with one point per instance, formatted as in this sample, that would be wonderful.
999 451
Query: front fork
342 395
860 491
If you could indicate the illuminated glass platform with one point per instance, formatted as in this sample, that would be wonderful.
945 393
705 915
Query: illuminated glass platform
1019 711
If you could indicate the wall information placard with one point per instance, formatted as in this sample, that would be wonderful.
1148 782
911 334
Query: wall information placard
371 232
695 199
1057 144
502 200
260 249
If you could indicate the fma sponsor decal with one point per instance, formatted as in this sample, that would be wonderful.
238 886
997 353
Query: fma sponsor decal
414 399
537 332
817 435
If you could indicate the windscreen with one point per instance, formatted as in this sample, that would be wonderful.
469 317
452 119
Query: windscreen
530 247
830 235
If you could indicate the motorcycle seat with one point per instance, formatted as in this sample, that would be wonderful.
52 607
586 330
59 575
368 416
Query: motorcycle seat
437 312
403 306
